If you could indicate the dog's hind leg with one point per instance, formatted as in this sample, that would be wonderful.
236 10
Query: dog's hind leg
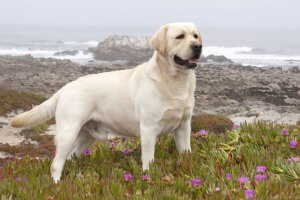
91 131
65 140
84 141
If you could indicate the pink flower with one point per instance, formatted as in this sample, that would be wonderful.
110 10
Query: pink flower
243 180
146 178
294 159
229 176
293 144
125 151
261 177
261 168
195 182
112 144
128 176
88 152
285 131
249 194
202 132
236 126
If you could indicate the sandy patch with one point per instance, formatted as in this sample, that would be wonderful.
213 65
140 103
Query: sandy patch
5 155
51 130
12 136
9 135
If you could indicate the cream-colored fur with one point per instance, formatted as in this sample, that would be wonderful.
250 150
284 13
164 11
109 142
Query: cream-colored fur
153 98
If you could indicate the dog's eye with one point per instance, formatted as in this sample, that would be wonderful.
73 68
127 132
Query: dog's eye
181 36
195 36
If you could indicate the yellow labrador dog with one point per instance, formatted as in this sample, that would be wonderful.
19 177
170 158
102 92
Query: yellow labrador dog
153 98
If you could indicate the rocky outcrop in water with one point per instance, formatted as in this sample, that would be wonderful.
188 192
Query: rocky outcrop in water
67 53
130 48
219 59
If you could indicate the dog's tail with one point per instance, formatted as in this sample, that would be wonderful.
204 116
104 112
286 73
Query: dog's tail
38 114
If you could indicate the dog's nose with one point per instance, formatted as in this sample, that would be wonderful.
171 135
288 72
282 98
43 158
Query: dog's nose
196 47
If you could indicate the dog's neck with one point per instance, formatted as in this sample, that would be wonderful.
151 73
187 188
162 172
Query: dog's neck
178 81
170 70
166 69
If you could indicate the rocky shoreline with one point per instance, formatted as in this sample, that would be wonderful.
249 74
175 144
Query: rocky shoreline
244 93
222 87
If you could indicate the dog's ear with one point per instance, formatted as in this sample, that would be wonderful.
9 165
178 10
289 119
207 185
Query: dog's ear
159 40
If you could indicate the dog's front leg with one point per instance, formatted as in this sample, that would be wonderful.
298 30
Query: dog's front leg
183 136
148 140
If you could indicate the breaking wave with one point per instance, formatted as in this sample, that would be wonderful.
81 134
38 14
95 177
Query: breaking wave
249 55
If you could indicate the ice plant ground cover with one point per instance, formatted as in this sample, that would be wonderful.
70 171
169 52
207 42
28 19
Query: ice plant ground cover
218 160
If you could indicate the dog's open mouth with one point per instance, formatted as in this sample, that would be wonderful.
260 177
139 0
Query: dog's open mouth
189 63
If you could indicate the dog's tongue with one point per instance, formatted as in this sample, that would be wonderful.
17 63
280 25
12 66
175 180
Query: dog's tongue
193 61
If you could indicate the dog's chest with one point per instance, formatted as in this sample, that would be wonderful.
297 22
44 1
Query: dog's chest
173 114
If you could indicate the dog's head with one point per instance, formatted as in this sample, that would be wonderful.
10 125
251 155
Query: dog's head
180 43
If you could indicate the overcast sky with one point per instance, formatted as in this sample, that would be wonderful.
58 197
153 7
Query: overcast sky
266 14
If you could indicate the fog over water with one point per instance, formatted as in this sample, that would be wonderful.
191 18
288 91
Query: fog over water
276 14
259 32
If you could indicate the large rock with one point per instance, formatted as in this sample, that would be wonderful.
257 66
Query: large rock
130 48
212 123
219 59
295 69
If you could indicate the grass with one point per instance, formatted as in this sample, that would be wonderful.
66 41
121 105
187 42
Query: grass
100 175
12 100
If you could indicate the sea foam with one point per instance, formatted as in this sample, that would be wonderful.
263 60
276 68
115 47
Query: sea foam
245 56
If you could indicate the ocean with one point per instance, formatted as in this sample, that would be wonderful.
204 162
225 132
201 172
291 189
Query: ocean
245 46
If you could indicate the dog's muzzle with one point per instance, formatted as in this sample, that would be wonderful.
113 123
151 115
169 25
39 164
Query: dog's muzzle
190 63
